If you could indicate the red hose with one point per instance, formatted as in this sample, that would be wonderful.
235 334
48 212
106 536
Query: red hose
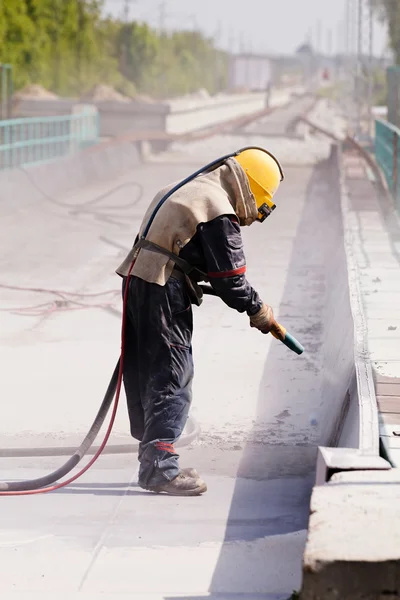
62 484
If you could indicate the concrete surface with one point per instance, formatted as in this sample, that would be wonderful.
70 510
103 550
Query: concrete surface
295 145
262 409
360 558
325 114
282 123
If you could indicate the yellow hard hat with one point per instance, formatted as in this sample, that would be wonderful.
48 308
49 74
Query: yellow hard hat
265 174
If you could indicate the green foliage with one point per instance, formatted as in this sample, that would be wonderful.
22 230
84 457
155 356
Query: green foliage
16 35
68 46
389 12
380 87
331 92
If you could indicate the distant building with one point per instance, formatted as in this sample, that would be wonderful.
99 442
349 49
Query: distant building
250 72
305 50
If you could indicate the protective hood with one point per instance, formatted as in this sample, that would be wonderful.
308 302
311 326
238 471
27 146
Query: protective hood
236 183
224 191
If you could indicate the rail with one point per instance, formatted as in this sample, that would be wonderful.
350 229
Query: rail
29 141
387 152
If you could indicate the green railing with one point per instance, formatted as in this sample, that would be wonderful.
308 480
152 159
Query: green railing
42 139
387 152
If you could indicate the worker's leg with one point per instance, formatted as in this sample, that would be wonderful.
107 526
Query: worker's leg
131 371
164 323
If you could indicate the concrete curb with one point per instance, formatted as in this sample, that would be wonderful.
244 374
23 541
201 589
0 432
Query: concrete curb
367 404
349 501
357 435
359 439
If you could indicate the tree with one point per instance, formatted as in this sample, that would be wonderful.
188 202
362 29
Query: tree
68 46
16 37
137 48
389 12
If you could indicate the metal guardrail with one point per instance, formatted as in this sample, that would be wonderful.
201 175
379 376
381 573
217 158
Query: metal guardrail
387 152
42 139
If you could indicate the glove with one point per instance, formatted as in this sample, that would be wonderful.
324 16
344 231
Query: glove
264 320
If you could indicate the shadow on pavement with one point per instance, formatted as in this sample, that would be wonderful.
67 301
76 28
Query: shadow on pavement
275 477
103 489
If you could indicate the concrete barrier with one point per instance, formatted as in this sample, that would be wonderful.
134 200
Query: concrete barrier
193 116
116 118
174 117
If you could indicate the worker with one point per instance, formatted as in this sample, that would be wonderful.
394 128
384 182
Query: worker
195 236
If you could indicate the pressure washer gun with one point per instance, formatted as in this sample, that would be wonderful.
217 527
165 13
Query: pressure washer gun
288 339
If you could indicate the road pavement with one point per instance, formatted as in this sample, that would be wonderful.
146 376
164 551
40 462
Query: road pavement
259 406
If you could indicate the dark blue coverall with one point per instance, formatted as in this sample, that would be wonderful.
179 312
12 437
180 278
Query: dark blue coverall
158 366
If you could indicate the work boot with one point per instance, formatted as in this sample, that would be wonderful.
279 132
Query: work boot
182 485
189 472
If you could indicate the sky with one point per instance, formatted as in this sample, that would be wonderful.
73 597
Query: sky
264 26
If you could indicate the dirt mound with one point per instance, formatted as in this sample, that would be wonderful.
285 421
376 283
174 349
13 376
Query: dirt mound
143 99
103 92
35 91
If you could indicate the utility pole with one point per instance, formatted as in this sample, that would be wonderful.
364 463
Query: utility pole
126 41
329 37
217 37
126 11
195 22
359 51
162 19
350 105
79 41
359 72
232 41
231 58
318 37
55 36
370 70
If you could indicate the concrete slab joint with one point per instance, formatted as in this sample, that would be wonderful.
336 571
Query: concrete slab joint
353 546
334 460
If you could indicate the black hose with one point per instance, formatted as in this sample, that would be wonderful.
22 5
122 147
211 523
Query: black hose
46 480
208 290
